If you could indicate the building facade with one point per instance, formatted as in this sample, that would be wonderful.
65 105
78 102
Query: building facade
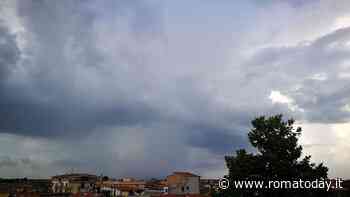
74 183
181 183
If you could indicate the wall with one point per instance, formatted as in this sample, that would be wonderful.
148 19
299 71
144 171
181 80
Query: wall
183 184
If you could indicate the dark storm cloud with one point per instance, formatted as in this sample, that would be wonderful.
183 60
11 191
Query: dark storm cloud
320 55
48 103
89 68
113 86
35 119
62 55
317 67
218 140
9 52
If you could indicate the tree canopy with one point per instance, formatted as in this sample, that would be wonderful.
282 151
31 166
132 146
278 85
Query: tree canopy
278 155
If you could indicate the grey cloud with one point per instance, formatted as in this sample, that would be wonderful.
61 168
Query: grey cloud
9 52
7 161
54 100
74 86
120 85
295 66
46 120
219 141
294 3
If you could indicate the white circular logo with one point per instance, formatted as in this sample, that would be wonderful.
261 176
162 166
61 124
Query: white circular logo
224 183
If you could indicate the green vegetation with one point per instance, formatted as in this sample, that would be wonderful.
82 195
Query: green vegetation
278 156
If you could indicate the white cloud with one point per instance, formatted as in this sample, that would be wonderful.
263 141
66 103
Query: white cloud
346 108
343 75
342 22
277 97
319 76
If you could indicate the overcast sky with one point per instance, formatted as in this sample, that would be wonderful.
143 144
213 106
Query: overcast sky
143 88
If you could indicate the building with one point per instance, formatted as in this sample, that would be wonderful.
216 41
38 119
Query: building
108 188
24 187
74 183
155 187
207 186
124 187
182 183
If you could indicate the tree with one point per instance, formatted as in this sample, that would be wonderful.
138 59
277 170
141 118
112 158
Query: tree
277 157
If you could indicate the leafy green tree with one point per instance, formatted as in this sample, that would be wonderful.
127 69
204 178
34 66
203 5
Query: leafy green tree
277 157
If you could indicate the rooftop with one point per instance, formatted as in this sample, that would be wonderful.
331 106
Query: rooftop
187 174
